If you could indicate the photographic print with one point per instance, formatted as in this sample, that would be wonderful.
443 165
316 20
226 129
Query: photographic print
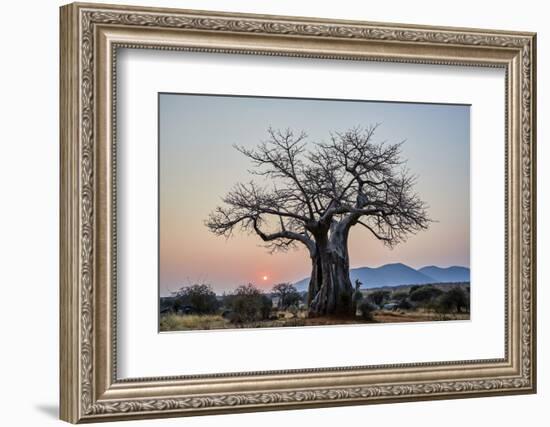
293 212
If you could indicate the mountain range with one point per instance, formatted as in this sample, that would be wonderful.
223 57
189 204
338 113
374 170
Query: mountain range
400 274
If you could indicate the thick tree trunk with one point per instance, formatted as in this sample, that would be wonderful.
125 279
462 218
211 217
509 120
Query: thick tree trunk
330 288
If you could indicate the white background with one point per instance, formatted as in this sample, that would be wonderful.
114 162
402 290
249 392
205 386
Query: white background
29 171
141 348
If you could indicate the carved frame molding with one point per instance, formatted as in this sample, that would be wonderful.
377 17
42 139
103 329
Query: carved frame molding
90 37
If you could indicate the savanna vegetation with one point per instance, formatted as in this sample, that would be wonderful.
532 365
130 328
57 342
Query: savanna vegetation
197 307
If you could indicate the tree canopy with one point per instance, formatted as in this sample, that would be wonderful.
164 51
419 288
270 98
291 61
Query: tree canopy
349 179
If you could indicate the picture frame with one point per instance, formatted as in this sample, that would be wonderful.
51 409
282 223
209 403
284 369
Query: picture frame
91 36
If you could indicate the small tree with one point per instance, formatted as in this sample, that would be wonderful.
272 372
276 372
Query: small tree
199 296
247 302
378 297
404 305
367 310
414 288
399 295
425 294
288 295
454 299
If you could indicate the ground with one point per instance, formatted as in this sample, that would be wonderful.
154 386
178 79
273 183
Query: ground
384 316
175 322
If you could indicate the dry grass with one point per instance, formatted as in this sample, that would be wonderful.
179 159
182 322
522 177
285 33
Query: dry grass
175 322
384 316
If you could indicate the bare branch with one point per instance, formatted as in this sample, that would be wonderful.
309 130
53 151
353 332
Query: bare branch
333 186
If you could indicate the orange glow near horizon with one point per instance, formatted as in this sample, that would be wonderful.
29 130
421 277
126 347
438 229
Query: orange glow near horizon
265 278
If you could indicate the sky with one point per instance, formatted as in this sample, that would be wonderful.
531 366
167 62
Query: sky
198 165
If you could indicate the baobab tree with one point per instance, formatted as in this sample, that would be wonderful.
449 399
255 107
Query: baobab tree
312 195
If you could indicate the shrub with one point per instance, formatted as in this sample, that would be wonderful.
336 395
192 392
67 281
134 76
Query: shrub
378 297
414 288
425 294
199 296
367 310
288 295
250 304
454 300
293 310
399 295
404 304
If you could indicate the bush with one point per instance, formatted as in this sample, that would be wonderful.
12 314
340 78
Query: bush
200 297
367 310
454 300
378 297
250 304
425 294
414 288
288 295
357 298
404 304
399 295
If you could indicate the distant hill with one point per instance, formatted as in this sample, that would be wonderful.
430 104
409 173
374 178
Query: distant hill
449 274
400 274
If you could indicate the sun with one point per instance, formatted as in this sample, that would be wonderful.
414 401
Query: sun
265 278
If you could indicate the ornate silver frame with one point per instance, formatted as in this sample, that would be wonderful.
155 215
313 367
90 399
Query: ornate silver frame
90 36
